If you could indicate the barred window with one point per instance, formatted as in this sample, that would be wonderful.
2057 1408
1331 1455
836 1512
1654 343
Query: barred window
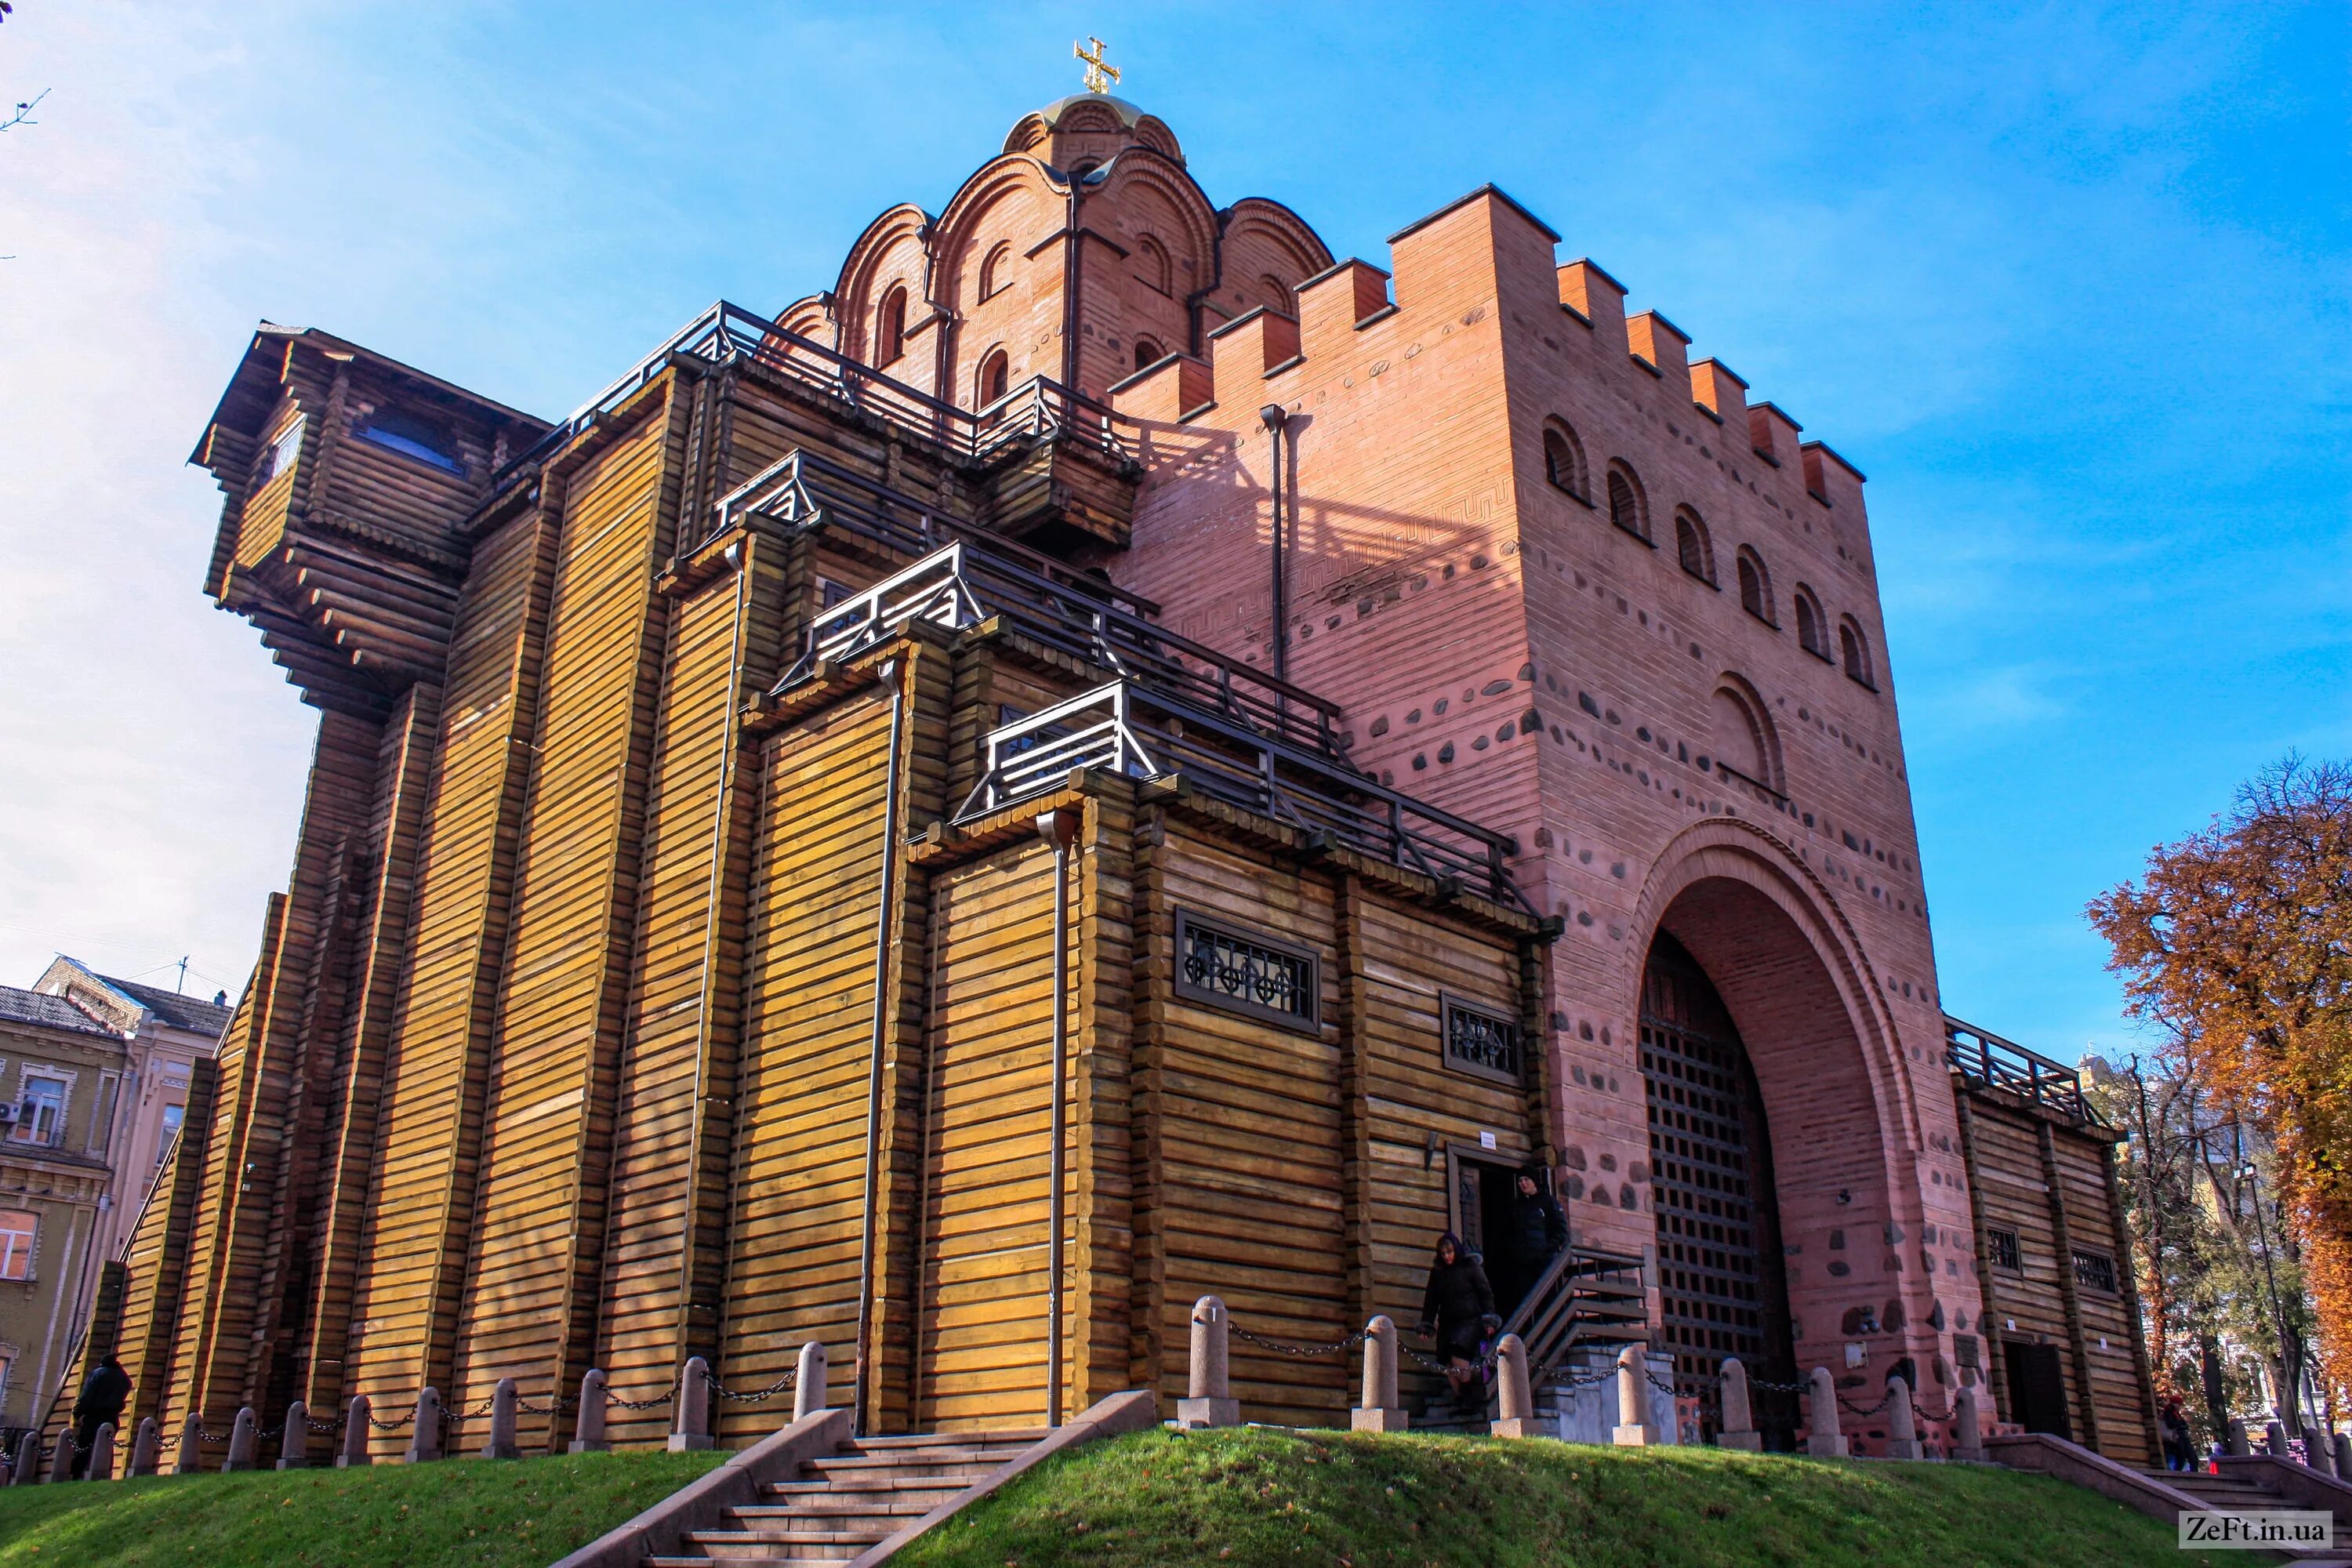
1245 974
2002 1245
1479 1042
2095 1271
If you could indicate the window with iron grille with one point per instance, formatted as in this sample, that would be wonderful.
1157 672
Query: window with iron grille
2002 1245
1245 973
1479 1042
2095 1271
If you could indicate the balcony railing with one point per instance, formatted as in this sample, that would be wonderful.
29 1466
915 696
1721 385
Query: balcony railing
1040 408
1128 729
1073 613
1986 1058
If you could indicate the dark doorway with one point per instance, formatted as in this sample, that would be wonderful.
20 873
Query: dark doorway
1482 1197
1721 1269
2037 1388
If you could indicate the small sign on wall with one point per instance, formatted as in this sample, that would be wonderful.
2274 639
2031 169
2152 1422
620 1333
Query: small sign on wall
1485 1138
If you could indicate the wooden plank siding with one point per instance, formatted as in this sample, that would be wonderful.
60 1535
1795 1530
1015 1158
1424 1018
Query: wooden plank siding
2030 1304
664 1254
1409 959
157 1253
984 1285
1240 1190
534 1258
259 1065
798 1177
412 1247
404 775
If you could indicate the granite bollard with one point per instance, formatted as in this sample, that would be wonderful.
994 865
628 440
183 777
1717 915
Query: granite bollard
1738 1410
500 1442
1633 1428
356 1417
294 1442
1382 1410
1902 1422
691 1434
1208 1393
588 1426
809 1391
1823 1439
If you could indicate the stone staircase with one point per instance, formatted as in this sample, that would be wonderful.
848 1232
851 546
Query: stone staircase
2248 1491
846 1502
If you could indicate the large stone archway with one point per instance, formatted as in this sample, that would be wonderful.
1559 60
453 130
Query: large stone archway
1838 1093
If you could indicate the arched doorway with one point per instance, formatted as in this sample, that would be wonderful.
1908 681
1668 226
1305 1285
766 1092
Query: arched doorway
1722 1280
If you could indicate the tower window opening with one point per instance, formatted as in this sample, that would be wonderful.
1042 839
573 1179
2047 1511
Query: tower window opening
995 378
1147 354
1756 587
1856 651
1812 632
1626 509
890 327
1693 549
1564 459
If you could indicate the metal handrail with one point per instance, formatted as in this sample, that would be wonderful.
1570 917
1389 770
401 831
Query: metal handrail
1086 618
1039 407
2001 1063
1311 791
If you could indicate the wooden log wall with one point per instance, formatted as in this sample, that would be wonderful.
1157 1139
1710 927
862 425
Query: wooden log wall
231 1336
529 1291
410 1258
318 1294
1240 1187
799 1173
2015 1149
1402 961
980 1327
156 1255
663 1268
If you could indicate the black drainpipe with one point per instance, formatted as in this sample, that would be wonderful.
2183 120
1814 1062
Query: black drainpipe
865 1387
1276 417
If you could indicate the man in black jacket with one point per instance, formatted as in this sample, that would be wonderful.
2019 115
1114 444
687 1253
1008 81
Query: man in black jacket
103 1394
1532 1234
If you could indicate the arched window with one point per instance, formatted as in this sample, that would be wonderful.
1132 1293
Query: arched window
1744 741
1564 458
1147 354
995 270
1692 546
1277 294
1812 632
995 376
1151 263
1756 587
1856 649
1627 508
890 326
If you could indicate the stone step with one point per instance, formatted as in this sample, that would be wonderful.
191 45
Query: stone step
859 1504
770 1543
916 1470
1022 1437
883 1486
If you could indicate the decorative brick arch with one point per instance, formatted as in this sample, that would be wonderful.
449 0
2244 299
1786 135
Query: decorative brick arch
1843 1115
1727 872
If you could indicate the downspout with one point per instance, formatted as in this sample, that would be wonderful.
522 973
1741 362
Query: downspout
1070 291
1276 419
887 910
1060 829
738 557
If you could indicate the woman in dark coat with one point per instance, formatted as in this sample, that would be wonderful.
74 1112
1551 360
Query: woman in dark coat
1457 1299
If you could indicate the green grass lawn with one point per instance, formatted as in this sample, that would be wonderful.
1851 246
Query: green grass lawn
480 1513
1340 1501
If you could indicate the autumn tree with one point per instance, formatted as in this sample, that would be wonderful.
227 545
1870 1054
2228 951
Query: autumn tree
2237 942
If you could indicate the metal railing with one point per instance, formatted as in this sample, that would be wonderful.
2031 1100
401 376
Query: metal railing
1040 408
1072 613
1129 728
1585 1297
1986 1058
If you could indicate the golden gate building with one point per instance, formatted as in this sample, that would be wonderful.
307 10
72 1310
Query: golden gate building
1108 757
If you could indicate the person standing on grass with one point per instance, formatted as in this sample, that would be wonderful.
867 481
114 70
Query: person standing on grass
103 1394
1453 1308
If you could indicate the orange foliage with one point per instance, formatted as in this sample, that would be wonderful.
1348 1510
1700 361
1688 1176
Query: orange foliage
2239 941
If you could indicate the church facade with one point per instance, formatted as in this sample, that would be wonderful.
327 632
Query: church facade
1108 757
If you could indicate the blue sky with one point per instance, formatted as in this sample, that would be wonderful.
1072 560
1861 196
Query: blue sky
2068 283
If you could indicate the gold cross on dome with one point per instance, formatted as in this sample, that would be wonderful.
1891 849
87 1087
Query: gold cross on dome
1099 74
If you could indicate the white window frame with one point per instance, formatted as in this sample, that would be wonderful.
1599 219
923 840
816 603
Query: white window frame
31 1251
25 1073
